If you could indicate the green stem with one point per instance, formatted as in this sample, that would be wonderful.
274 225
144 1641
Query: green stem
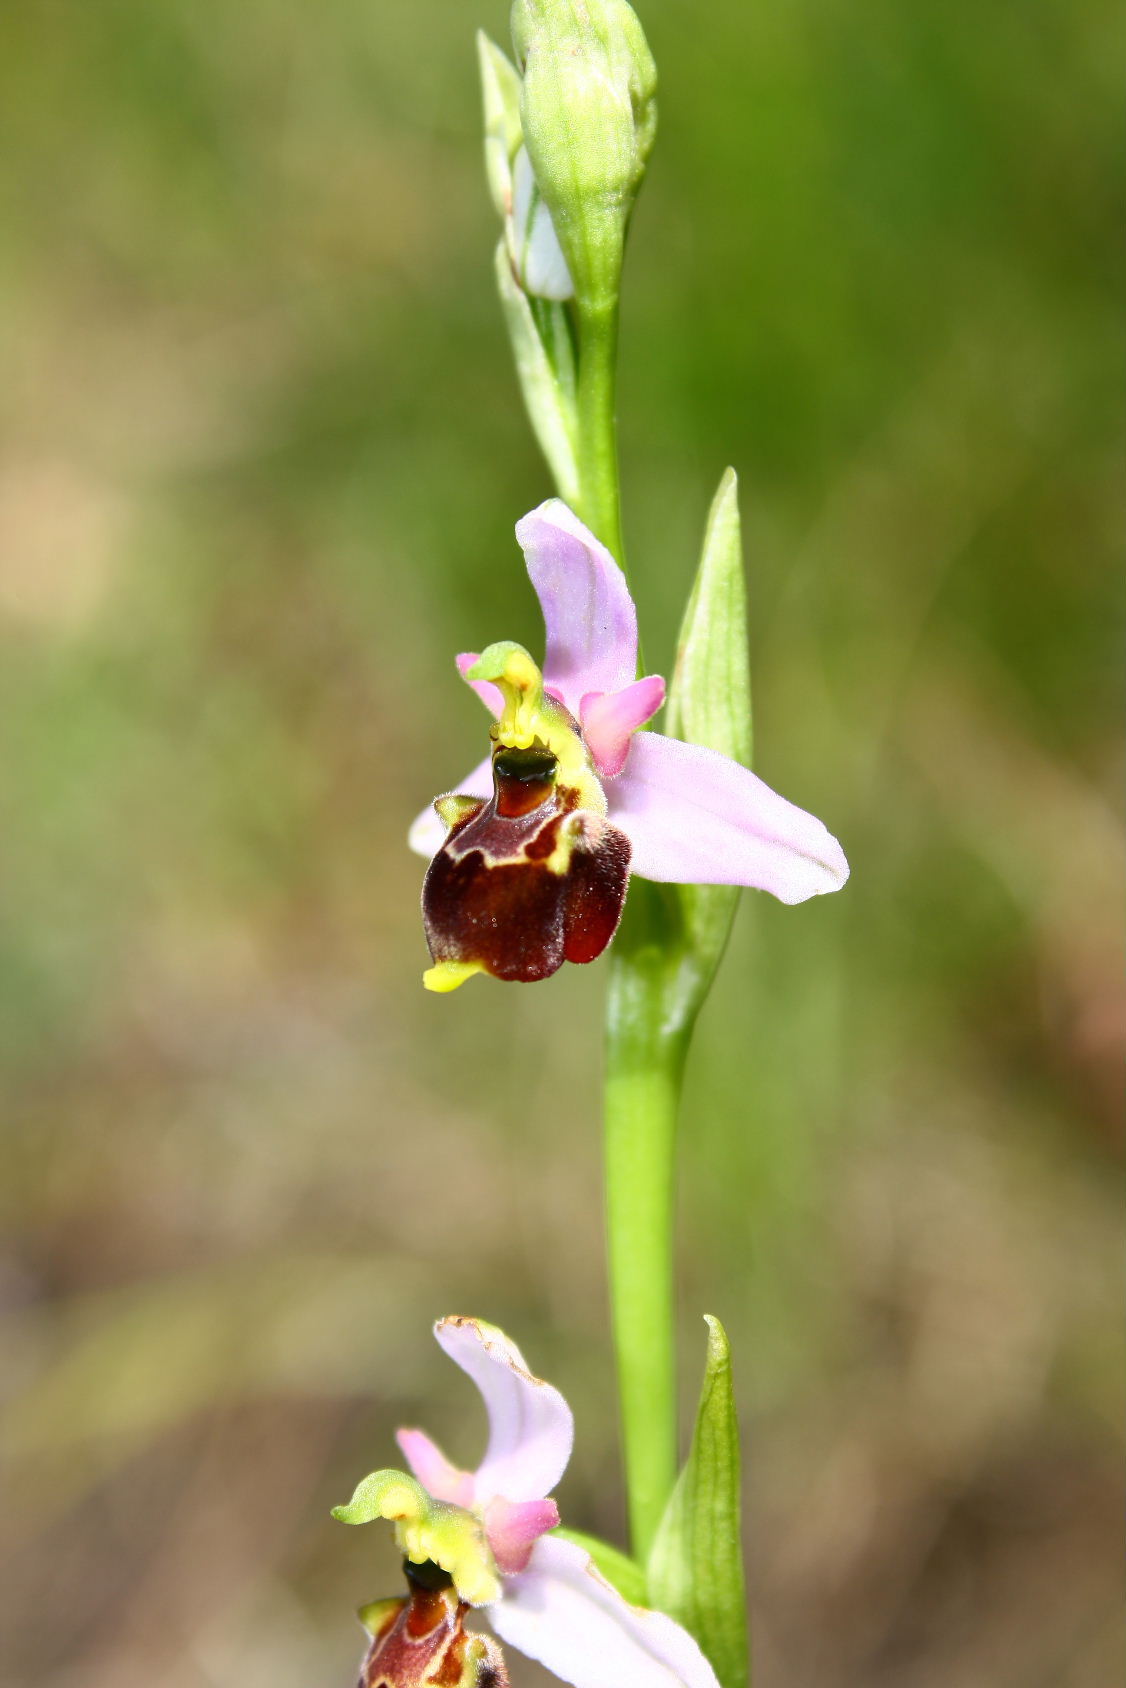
648 1026
657 986
597 434
645 1052
645 1049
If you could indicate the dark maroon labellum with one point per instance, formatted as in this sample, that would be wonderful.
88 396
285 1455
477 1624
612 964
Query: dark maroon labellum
524 881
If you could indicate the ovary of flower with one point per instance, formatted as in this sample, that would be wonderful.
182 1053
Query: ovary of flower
689 814
550 1601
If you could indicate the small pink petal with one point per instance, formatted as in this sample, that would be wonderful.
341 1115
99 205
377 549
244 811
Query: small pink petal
514 1526
489 694
433 1470
587 610
697 818
427 832
530 1425
609 719
564 1613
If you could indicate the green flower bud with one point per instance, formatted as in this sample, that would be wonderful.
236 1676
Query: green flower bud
500 93
589 118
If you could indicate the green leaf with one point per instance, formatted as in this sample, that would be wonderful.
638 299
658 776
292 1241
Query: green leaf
500 95
696 1566
546 376
617 1567
710 698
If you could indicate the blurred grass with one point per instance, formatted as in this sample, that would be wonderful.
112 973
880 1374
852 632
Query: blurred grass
262 454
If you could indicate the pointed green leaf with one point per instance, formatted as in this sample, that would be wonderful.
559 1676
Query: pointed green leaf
546 388
696 1566
710 697
500 93
617 1567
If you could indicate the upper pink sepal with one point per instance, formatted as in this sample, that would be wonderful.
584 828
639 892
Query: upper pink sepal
563 1612
587 610
434 1471
513 1528
531 1430
489 694
609 719
696 818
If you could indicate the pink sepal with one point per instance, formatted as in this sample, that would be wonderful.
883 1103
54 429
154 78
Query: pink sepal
562 1611
697 818
530 1425
434 1471
588 613
489 694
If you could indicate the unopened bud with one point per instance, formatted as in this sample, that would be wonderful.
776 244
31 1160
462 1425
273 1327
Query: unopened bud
588 116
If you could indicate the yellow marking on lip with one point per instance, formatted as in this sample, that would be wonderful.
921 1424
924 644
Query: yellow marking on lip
447 976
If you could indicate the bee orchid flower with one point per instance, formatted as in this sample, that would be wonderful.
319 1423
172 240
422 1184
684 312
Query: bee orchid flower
486 1535
531 855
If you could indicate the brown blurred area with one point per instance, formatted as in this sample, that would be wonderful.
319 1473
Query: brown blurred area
260 457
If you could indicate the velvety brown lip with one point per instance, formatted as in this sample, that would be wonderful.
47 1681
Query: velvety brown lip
491 896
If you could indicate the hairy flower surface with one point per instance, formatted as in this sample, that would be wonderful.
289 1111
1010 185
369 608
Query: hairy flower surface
543 1594
533 869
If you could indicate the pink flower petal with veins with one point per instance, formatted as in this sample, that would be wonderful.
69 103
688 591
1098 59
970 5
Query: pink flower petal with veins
564 1613
587 609
434 1471
697 818
513 1528
609 720
531 1429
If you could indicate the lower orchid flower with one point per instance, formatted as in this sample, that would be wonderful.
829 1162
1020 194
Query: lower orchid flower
482 1539
541 837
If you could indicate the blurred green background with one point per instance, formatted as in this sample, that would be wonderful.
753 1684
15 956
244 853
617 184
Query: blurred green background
262 456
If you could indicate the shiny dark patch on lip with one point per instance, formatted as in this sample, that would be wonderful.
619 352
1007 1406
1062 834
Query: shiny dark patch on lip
523 780
529 764
427 1574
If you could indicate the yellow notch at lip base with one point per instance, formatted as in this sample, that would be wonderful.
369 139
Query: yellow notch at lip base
446 976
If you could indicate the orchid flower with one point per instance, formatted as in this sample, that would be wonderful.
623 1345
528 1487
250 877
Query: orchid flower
544 833
489 1531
